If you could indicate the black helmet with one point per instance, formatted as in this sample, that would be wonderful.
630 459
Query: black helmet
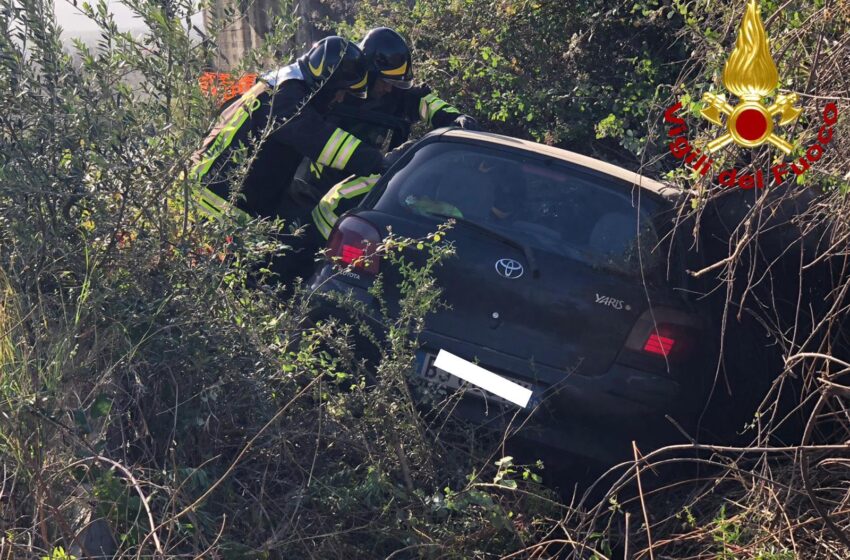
338 64
388 56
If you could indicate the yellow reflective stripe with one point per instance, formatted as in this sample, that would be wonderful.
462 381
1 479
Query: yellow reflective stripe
318 71
328 204
433 107
324 214
331 147
211 209
205 207
316 169
423 108
345 152
396 72
216 206
213 199
360 84
321 227
352 189
321 222
436 105
225 137
430 105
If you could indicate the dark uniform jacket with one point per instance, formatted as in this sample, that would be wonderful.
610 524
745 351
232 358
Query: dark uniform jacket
282 107
404 107
398 109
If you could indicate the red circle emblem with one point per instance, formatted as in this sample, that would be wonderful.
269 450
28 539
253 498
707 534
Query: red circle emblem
751 124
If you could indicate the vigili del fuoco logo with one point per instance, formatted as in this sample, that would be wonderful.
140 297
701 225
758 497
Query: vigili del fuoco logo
750 74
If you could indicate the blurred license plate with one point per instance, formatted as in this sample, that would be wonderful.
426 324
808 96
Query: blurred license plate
436 376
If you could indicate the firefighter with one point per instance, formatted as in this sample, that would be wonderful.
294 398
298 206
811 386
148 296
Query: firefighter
286 109
393 99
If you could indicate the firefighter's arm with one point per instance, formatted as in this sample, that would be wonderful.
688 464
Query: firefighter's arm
438 113
306 131
326 213
340 197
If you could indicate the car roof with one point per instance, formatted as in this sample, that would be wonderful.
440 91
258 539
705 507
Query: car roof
666 191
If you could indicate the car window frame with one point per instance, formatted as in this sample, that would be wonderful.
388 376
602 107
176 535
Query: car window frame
661 226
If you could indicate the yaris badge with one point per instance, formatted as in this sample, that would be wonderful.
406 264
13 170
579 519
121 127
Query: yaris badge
509 268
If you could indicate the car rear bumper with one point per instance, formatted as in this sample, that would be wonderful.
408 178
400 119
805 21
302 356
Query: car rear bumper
328 279
595 416
590 416
621 391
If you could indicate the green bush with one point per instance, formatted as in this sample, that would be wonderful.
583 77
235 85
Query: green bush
553 72
154 375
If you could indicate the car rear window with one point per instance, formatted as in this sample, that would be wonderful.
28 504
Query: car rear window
545 204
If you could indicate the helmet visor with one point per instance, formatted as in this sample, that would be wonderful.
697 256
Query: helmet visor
400 83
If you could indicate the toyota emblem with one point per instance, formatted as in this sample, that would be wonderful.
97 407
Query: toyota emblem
509 268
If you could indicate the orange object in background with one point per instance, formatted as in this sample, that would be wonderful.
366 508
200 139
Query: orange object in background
224 86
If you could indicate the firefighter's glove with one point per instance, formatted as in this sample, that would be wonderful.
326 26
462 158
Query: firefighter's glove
395 155
466 122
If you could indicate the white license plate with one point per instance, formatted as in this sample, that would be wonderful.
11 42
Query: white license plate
441 378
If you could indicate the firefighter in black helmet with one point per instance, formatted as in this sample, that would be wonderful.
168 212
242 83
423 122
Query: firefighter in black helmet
392 89
287 108
391 83
391 95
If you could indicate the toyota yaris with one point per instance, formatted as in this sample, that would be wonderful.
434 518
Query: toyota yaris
568 279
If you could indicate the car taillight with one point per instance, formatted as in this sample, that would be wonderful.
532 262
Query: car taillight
657 344
659 338
354 242
351 254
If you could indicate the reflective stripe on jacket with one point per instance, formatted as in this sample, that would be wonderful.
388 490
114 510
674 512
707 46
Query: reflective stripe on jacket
407 106
290 120
430 105
324 214
338 149
229 123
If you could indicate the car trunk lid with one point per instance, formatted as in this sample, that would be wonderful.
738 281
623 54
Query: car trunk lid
571 316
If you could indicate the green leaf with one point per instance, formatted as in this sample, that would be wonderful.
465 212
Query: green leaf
101 407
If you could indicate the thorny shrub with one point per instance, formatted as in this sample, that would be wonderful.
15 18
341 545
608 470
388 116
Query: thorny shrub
157 386
775 259
155 378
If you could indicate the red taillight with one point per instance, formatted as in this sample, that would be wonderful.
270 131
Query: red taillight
657 344
354 242
661 337
350 254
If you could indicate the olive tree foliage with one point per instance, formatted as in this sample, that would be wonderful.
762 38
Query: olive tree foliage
156 383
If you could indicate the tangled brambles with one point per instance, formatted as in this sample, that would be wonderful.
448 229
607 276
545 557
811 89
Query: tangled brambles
170 395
